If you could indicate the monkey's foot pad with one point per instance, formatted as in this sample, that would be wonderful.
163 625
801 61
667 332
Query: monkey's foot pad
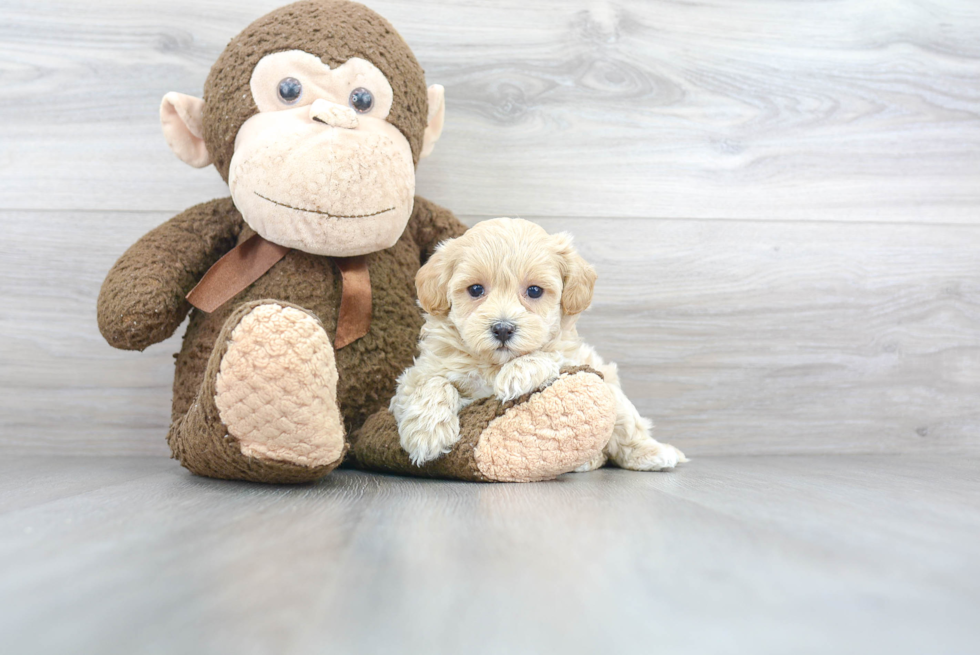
536 437
555 431
276 388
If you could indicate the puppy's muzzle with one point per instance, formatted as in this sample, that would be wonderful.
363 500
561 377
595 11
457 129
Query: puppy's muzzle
502 331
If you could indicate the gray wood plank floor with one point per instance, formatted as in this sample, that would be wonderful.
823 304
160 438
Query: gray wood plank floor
805 554
782 203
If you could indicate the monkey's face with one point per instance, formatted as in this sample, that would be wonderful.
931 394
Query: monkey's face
319 168
317 158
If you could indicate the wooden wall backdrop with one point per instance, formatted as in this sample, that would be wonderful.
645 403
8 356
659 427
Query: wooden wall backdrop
782 200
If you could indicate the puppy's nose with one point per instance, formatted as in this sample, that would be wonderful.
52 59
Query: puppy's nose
503 331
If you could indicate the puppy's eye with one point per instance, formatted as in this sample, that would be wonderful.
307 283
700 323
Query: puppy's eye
475 290
361 100
290 90
534 291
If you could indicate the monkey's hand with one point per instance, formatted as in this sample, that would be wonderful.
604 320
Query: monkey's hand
142 299
526 373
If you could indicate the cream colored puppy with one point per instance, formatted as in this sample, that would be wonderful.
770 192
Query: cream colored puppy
501 304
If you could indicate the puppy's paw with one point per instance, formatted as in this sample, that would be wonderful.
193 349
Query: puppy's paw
597 462
523 375
428 438
427 416
430 427
651 455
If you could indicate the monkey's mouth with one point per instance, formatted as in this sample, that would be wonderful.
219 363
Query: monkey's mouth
322 213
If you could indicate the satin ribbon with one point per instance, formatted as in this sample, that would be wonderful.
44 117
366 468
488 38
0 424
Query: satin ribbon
253 258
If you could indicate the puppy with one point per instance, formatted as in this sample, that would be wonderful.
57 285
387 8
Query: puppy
501 304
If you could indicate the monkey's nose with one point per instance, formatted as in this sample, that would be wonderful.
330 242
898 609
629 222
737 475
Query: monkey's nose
503 330
332 114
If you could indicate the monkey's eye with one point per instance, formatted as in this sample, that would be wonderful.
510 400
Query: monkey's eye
475 290
290 90
534 291
361 100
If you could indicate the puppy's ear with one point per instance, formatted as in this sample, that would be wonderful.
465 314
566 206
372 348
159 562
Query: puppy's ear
578 276
432 281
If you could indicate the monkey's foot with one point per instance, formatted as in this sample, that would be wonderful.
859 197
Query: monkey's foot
539 436
267 408
276 389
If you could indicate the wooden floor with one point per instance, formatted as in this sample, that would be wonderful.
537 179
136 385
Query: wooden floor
782 202
792 554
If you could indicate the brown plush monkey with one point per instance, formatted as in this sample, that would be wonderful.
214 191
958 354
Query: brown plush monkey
316 115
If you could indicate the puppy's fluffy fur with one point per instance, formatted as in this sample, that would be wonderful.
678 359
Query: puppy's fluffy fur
481 280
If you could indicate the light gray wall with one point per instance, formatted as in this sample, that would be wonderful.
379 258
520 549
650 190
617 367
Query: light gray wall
781 199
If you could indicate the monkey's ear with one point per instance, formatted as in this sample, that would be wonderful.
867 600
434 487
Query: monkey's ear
182 118
437 115
432 281
578 276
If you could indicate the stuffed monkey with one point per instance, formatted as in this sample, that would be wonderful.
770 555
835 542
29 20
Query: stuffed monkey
300 286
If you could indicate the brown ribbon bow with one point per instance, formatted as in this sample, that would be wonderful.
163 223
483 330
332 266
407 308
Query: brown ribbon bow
252 258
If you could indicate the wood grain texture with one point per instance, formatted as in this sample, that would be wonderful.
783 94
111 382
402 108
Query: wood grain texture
863 110
801 323
809 554
733 336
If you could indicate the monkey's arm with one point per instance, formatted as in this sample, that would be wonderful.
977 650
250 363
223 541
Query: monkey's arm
431 224
142 299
